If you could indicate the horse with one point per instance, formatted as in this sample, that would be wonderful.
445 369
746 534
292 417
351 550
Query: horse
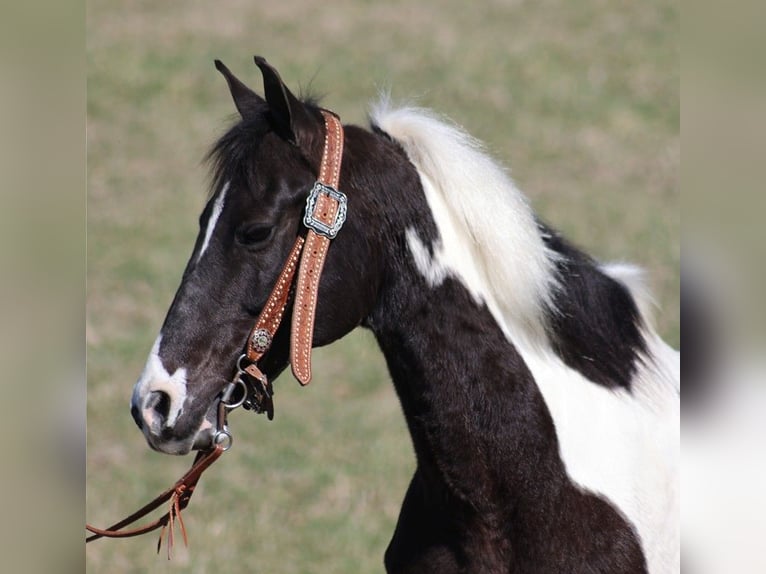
542 405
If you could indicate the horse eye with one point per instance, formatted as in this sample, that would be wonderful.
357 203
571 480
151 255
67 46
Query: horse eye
253 234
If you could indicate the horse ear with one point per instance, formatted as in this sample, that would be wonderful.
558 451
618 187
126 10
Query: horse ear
247 101
294 120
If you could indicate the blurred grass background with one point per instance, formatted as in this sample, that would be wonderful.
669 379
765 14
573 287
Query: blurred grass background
580 99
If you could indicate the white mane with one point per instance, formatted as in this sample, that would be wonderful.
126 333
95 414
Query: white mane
489 236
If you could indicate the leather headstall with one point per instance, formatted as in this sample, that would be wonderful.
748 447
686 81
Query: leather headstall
324 216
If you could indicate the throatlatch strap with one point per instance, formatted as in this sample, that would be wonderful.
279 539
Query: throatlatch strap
314 253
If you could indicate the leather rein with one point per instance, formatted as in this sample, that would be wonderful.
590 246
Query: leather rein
324 216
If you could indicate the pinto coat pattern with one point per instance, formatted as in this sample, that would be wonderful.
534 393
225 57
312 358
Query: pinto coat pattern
542 405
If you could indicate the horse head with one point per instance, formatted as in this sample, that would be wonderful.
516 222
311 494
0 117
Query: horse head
263 170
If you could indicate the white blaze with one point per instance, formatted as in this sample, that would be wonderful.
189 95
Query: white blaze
217 208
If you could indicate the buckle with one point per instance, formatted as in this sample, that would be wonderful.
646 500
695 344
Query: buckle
329 231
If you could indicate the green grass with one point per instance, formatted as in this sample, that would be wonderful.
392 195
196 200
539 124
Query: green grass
581 99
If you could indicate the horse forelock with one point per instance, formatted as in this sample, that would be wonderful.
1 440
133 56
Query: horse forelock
234 150
232 154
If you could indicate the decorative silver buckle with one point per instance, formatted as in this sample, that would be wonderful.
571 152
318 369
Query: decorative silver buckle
340 216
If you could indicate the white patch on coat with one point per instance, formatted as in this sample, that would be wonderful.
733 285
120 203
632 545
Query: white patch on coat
487 229
211 222
156 378
621 446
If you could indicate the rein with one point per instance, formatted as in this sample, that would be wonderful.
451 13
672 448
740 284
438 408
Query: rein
324 216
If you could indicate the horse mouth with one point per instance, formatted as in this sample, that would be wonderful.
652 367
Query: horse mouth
166 443
174 447
204 440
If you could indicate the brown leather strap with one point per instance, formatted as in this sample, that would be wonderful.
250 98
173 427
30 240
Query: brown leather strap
314 247
314 252
179 495
270 318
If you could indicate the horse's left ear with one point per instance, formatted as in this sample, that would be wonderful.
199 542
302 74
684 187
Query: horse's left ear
294 120
248 103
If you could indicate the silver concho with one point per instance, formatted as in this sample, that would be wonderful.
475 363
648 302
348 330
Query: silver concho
261 340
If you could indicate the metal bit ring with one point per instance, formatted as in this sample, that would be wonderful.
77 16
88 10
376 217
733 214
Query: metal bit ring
224 438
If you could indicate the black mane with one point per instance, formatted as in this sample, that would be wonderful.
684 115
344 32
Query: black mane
595 327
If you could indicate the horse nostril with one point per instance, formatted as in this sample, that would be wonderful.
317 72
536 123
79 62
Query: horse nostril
136 414
160 402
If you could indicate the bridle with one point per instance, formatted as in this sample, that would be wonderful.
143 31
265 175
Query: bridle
324 216
250 388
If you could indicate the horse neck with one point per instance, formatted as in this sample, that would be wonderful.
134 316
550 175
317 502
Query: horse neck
464 388
477 420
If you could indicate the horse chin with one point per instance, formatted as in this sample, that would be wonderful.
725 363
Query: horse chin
174 447
201 440
204 439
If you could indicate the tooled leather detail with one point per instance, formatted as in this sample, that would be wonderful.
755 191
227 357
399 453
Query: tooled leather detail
314 254
271 315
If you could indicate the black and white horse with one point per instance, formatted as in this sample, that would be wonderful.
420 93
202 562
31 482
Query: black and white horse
542 405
